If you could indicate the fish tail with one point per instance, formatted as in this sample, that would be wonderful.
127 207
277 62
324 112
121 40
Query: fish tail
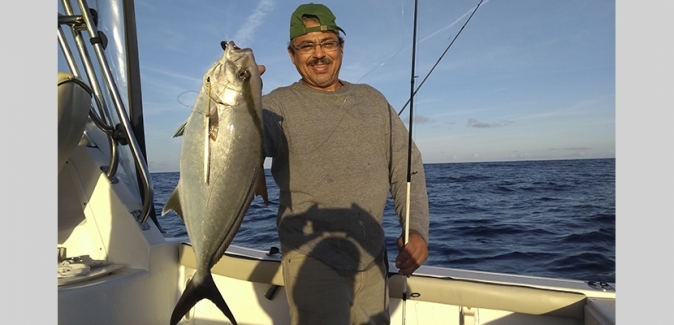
194 293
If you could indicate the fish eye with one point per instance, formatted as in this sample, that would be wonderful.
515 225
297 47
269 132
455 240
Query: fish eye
244 74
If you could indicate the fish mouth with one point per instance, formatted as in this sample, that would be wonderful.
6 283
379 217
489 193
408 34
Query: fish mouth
233 52
230 44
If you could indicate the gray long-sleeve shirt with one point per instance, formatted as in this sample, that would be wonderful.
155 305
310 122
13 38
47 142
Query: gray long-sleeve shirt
336 157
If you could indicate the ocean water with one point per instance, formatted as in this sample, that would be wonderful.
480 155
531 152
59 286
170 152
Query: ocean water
552 218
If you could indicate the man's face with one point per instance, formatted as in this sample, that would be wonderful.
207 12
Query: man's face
319 66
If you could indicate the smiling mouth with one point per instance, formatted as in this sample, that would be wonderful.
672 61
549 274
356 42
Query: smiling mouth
319 68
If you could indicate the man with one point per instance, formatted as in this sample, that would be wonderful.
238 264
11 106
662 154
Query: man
338 149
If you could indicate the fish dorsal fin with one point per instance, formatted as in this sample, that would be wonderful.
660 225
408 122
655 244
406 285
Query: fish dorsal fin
261 186
173 204
181 130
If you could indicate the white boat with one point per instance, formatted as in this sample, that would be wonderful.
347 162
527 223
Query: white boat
115 266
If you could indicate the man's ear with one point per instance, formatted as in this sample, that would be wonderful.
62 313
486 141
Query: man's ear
292 56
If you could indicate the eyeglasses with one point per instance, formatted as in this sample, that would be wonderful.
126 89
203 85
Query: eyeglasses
308 47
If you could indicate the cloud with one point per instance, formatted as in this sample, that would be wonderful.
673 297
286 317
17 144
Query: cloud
469 12
572 148
519 155
418 119
473 123
171 74
245 34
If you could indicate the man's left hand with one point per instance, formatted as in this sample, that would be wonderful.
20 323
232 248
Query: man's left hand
412 255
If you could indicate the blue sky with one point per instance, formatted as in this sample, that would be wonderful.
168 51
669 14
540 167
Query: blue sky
525 79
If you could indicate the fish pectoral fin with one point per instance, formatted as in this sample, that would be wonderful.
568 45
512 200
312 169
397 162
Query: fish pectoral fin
261 185
181 130
173 204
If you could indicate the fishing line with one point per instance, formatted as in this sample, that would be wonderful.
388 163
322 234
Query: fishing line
402 44
405 292
183 93
436 64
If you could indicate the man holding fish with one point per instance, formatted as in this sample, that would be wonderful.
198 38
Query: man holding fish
338 150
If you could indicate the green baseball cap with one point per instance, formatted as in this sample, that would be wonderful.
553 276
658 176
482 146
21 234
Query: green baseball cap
324 14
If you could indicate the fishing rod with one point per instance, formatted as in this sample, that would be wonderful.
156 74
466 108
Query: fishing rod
409 156
409 101
409 143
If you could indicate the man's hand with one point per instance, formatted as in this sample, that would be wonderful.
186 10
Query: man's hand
261 68
412 255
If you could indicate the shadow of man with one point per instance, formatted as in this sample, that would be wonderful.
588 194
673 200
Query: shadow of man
332 268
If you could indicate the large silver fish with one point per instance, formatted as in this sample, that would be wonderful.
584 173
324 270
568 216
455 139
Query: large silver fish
220 168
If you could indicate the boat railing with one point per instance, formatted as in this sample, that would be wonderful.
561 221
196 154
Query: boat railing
104 118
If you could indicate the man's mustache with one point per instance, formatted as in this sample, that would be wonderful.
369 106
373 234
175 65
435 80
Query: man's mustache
324 60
